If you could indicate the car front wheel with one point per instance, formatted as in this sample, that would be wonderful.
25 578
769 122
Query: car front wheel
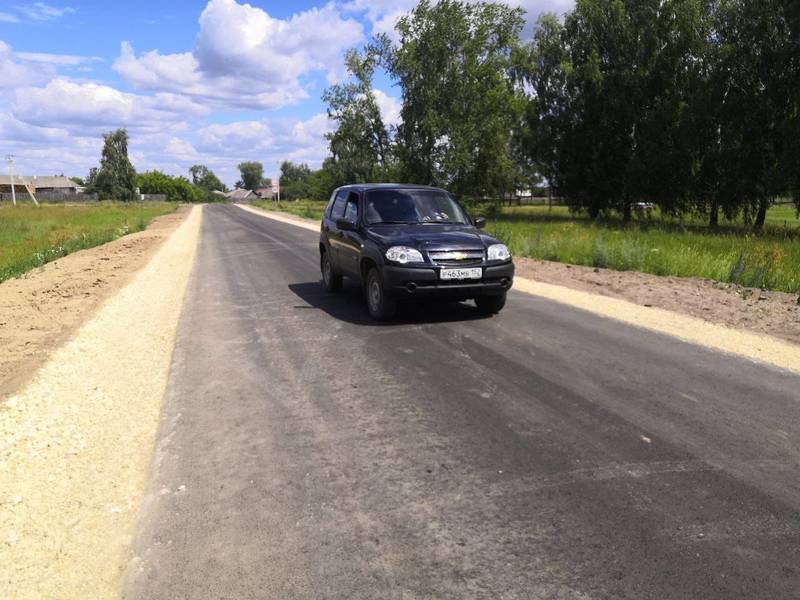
330 280
381 307
490 305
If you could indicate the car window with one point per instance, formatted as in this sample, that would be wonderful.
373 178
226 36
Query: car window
412 206
337 212
329 206
351 210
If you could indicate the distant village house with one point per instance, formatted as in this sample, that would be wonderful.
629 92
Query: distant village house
40 184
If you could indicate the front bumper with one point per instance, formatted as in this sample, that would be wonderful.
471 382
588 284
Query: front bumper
411 282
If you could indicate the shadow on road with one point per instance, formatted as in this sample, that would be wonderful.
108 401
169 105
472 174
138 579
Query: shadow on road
349 305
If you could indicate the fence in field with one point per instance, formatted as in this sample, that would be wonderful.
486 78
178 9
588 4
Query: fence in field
58 198
51 197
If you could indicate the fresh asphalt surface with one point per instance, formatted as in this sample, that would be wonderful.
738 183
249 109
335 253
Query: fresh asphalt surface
306 452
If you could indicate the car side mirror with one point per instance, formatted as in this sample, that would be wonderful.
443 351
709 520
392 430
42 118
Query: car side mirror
479 222
345 225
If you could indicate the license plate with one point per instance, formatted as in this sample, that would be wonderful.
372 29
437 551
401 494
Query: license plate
449 274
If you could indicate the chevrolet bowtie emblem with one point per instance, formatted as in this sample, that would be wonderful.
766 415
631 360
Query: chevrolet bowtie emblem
459 255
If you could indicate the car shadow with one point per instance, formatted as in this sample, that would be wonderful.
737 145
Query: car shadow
349 305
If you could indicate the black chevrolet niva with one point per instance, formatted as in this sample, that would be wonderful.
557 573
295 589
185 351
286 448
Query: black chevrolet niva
405 242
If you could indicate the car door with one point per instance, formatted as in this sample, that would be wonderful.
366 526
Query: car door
350 247
332 231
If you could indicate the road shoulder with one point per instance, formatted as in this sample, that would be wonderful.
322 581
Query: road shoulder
44 308
722 335
77 440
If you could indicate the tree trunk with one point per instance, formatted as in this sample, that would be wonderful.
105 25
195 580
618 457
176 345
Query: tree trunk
713 219
594 212
761 216
627 213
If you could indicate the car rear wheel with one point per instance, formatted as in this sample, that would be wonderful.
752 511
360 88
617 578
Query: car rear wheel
330 280
381 307
490 305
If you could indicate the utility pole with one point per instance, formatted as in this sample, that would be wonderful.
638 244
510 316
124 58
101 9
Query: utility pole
10 158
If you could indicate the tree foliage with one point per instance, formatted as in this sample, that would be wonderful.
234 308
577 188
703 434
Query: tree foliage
361 144
690 104
294 180
205 178
252 175
176 189
116 177
453 67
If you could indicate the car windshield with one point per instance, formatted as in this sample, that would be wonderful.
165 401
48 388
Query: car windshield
412 206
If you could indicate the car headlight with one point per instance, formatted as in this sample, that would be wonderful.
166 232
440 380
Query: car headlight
498 252
403 255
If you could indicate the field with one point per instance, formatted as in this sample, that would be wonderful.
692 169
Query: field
31 237
657 245
660 246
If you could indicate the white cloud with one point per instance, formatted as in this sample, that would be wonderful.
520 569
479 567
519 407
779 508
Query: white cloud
267 140
389 107
39 11
83 108
245 58
70 60
8 18
14 74
15 131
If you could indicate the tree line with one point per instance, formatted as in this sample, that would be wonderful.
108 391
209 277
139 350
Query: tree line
693 105
116 178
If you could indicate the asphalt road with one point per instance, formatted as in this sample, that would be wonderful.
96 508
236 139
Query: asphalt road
305 452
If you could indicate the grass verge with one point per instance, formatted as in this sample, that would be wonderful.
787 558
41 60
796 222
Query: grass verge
310 209
31 237
655 244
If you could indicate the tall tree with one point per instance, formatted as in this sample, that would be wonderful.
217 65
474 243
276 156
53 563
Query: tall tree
205 178
252 174
609 88
759 54
116 177
453 65
361 143
294 180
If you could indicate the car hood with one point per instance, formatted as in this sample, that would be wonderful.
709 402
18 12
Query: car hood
430 236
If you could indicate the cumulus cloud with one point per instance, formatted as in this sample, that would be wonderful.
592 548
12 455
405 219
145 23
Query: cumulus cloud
389 106
268 140
17 74
89 107
245 58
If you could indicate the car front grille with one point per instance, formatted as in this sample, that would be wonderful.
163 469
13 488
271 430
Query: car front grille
456 258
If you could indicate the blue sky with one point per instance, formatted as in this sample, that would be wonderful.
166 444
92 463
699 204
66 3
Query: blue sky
212 82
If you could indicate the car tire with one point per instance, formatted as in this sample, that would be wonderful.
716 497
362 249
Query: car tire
381 306
490 305
331 281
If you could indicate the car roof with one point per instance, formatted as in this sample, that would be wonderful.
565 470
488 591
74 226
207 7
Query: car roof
364 187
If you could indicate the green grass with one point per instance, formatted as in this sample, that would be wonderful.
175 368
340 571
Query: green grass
658 244
31 237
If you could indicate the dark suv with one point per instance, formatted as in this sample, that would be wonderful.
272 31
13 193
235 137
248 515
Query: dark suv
410 241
